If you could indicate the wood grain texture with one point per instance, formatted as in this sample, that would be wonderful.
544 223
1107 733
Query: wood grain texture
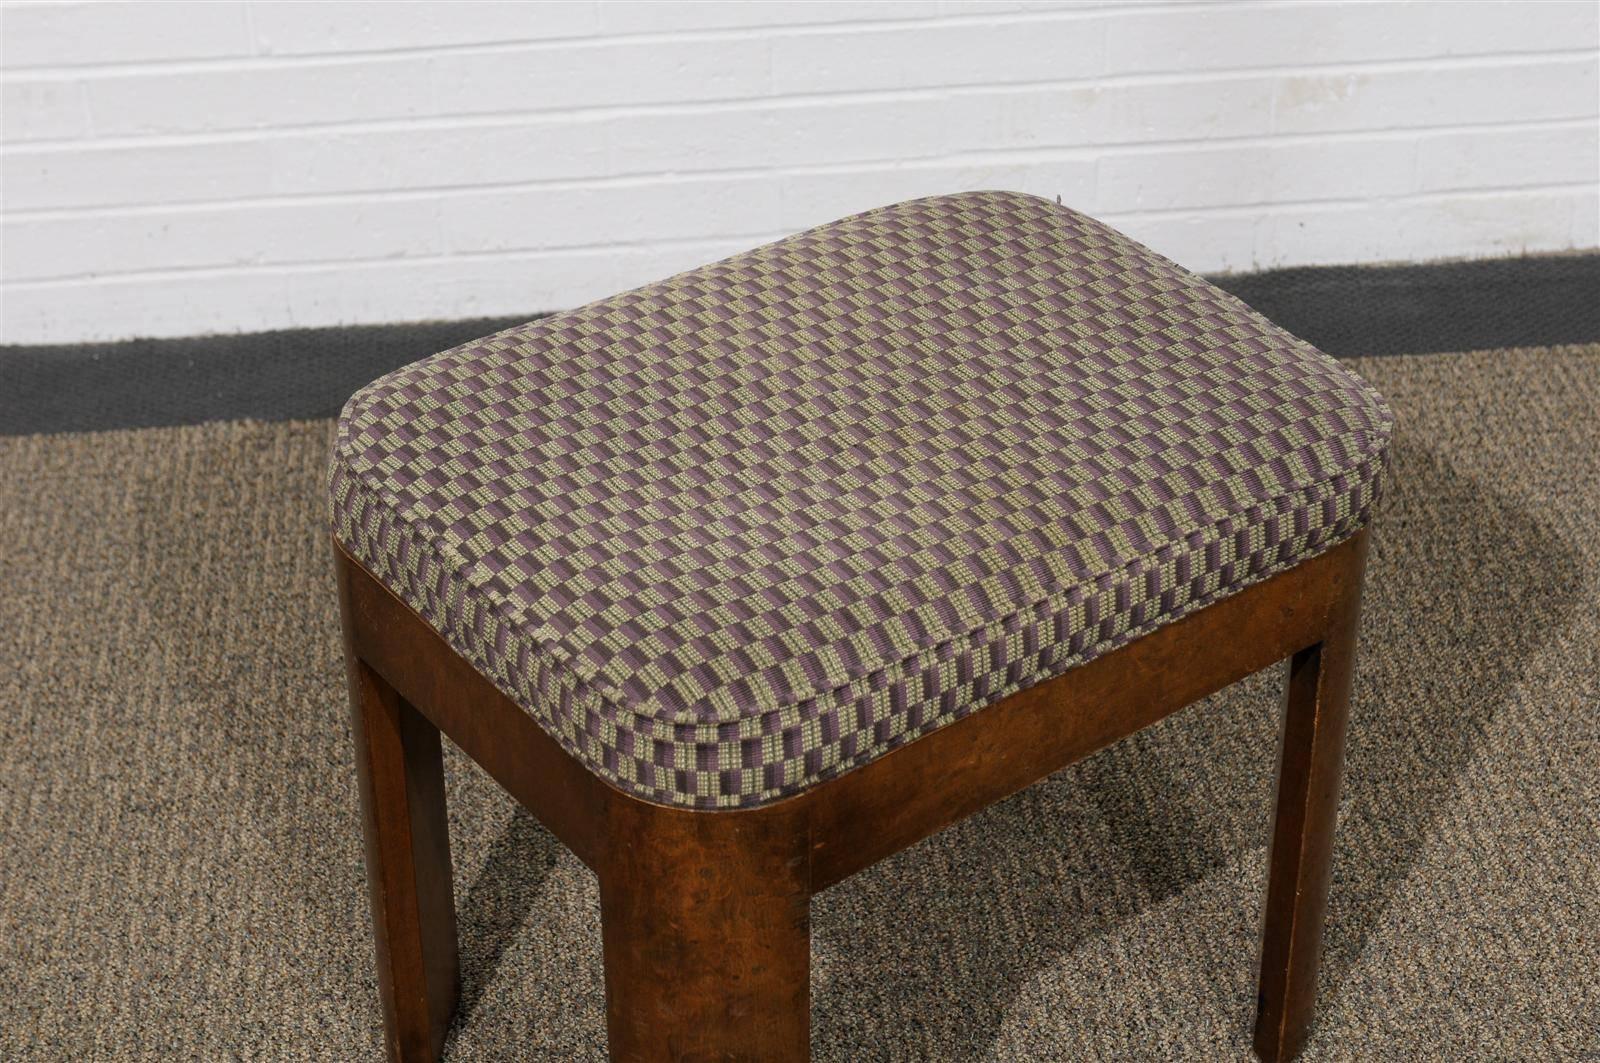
924 786
705 913
400 776
1300 862
706 926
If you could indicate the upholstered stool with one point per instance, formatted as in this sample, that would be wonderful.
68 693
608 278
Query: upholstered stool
745 580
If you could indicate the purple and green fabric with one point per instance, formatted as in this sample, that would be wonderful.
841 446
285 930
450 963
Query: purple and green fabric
740 531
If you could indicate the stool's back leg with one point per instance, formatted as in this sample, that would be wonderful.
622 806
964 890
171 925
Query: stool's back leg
1300 859
400 773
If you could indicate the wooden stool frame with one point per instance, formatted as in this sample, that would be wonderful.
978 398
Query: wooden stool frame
705 914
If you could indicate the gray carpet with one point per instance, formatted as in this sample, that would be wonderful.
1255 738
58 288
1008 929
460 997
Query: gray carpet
181 858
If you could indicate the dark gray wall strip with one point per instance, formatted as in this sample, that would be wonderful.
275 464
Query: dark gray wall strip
301 373
1449 306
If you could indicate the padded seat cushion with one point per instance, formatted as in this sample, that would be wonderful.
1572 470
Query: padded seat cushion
737 532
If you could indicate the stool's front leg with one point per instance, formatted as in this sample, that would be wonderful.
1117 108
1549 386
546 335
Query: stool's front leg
1299 863
706 924
401 777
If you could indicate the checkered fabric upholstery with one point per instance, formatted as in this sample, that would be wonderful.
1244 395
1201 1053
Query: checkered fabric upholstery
740 531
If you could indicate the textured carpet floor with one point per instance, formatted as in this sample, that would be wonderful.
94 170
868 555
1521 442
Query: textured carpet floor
181 861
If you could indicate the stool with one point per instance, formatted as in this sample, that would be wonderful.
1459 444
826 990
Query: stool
743 581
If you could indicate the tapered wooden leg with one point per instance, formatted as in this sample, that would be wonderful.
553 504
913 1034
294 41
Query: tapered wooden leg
401 777
1300 860
706 924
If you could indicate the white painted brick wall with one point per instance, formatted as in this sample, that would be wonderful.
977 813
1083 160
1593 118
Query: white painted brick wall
174 169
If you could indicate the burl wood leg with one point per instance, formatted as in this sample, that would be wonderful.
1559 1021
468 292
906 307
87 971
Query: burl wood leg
706 925
401 777
1300 860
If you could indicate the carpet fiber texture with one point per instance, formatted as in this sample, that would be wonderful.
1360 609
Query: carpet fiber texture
181 864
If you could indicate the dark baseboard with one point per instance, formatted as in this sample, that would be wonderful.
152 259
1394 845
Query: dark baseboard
305 373
270 376
1349 311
